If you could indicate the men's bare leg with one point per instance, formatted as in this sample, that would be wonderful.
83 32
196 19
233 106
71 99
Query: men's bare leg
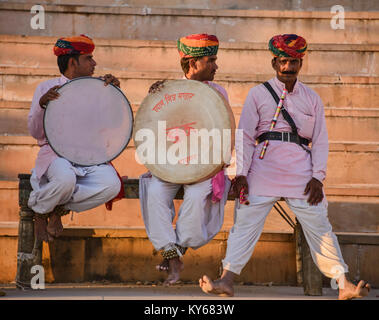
40 228
350 291
55 227
175 267
222 287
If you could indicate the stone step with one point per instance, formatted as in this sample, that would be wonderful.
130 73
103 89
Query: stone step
121 22
346 160
238 57
307 5
18 85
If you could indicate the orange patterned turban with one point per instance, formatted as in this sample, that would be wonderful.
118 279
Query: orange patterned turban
197 45
74 45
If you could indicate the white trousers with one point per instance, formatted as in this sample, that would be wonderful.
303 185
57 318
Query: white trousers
77 188
199 220
248 225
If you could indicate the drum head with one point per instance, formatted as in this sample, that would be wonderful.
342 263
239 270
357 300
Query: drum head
89 123
193 130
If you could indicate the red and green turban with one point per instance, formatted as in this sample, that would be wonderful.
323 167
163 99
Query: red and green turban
74 45
198 45
288 45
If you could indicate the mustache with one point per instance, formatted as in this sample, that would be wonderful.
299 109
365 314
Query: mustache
288 72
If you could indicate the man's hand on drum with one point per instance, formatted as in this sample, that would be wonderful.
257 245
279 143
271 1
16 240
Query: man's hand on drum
157 86
51 94
108 78
239 183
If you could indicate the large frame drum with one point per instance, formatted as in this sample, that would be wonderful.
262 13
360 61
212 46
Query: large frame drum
184 133
90 123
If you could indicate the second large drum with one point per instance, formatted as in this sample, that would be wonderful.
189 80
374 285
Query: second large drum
90 123
184 133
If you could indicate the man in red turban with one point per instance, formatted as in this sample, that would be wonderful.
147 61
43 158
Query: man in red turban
290 169
288 45
56 189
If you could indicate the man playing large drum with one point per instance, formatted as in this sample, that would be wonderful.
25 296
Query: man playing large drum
282 165
201 214
57 182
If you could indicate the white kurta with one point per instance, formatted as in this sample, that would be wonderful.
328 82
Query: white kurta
56 181
199 218
284 172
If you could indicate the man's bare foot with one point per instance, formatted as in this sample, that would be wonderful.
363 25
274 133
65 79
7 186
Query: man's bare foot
174 269
55 227
40 229
221 287
163 266
350 291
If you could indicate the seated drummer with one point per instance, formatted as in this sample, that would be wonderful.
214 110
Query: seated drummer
201 214
58 185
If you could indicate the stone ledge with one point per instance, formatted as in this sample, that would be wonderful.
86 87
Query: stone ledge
367 5
330 111
79 9
166 44
236 77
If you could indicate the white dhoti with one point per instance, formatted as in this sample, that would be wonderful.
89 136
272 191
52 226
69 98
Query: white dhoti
248 225
199 219
77 188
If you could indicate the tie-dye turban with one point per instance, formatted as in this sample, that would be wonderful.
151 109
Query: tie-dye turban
288 45
74 45
197 45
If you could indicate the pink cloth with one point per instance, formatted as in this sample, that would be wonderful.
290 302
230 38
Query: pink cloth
46 155
218 181
286 167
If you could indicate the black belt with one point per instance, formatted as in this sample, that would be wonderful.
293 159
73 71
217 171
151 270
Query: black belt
282 136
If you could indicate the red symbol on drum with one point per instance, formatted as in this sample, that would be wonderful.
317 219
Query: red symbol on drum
159 106
187 160
173 132
172 98
185 96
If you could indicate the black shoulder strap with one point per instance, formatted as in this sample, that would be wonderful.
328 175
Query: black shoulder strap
272 91
285 113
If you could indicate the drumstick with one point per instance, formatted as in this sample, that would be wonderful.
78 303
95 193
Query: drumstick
273 122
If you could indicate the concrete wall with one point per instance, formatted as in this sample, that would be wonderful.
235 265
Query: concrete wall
170 24
293 5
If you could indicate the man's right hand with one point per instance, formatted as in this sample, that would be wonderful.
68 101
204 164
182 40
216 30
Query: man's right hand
156 86
239 183
52 94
